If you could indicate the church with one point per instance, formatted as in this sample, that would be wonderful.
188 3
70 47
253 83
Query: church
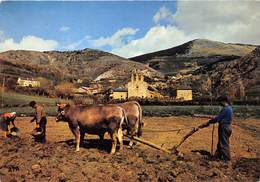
135 88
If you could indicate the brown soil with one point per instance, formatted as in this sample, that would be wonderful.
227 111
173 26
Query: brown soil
22 159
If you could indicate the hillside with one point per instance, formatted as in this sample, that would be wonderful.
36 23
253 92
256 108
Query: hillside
239 77
192 55
86 65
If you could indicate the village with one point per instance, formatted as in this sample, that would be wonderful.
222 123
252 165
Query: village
136 88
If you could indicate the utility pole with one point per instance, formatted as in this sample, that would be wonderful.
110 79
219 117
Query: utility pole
213 127
3 83
3 89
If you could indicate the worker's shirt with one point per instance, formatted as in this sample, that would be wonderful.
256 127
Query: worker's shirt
5 120
225 116
39 113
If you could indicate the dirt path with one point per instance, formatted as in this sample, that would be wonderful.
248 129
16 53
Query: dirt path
24 160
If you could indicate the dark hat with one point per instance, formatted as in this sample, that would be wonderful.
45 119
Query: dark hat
224 98
32 103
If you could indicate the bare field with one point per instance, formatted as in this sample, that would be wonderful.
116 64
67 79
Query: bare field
24 160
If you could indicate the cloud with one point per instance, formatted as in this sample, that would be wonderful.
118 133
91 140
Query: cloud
234 22
163 14
118 39
2 36
77 44
64 28
223 21
28 43
2 1
157 38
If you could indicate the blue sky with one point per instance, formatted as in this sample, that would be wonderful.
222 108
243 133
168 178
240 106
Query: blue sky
124 28
69 22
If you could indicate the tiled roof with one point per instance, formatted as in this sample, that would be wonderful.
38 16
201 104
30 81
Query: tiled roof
119 89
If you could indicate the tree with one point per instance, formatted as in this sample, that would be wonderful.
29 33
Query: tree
45 85
10 83
64 89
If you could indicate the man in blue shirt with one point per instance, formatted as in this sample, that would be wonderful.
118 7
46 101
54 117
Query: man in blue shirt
224 128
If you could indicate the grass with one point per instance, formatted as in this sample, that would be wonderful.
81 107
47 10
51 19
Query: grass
18 103
17 99
28 111
161 111
164 111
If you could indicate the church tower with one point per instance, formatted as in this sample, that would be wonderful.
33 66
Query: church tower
137 87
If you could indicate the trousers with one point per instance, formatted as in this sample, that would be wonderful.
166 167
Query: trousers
43 123
223 148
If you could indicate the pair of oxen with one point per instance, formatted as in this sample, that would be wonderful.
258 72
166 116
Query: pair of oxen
99 119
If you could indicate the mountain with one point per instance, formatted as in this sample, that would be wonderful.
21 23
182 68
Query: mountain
87 64
239 78
192 55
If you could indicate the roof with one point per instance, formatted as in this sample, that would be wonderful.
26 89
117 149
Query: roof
27 79
183 88
119 89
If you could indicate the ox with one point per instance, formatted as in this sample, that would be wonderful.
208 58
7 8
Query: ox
94 120
134 122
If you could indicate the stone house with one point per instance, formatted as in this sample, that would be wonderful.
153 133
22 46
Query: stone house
95 88
119 93
28 82
184 94
80 90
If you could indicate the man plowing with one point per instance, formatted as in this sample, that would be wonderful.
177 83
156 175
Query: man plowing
224 120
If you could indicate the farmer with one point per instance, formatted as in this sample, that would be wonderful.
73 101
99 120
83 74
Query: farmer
224 128
6 120
41 120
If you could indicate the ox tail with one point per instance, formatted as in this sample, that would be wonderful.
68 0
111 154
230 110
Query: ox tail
140 123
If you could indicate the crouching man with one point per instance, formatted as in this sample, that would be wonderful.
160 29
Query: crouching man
6 120
224 120
41 120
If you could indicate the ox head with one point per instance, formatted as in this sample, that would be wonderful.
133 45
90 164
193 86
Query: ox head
62 108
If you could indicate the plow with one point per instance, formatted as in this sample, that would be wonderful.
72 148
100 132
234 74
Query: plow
148 143
174 149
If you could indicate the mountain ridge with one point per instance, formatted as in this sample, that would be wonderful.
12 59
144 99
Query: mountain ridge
65 65
191 55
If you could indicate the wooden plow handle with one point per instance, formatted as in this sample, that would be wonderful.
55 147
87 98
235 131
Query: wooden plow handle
148 143
174 149
204 125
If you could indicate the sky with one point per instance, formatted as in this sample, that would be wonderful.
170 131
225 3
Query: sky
125 28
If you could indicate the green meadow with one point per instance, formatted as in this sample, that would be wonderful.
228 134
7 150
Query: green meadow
15 102
12 99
